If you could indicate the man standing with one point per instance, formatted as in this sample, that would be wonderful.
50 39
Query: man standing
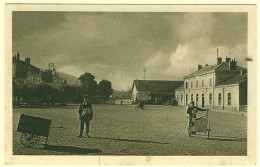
85 115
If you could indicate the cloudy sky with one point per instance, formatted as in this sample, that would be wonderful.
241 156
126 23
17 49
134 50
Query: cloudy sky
118 46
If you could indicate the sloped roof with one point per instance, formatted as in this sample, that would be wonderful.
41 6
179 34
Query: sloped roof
157 85
234 80
180 87
204 70
224 66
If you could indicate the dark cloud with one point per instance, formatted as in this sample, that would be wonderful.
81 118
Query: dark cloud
117 46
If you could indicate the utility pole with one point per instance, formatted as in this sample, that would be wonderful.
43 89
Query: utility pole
144 72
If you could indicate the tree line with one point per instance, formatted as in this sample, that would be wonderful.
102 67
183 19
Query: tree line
50 93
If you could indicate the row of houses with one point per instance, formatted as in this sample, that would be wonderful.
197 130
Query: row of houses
29 73
220 86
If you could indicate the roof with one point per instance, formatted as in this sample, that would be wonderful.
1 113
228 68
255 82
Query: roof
203 70
157 85
161 93
234 80
180 87
213 68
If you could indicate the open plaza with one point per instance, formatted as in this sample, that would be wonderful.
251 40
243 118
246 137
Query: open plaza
123 130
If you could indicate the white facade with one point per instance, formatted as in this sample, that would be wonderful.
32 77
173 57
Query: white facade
134 93
227 96
209 88
200 89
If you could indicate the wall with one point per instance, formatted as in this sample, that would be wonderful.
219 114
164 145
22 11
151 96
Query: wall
234 90
243 96
33 78
178 94
205 86
134 94
20 69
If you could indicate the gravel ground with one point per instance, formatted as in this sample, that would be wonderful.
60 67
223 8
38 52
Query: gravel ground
122 130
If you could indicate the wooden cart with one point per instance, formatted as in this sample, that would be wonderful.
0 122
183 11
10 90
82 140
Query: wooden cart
200 124
32 128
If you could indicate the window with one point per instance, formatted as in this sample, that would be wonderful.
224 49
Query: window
210 98
191 97
181 97
197 83
210 82
202 83
186 85
197 99
187 99
191 84
229 99
219 99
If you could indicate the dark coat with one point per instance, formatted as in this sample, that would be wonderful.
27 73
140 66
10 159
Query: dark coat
85 106
189 111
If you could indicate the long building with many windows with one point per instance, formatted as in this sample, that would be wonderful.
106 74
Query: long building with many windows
221 86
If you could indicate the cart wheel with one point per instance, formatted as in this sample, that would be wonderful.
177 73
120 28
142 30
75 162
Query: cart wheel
28 140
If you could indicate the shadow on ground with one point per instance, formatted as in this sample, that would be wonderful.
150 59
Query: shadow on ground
224 138
129 140
227 138
71 149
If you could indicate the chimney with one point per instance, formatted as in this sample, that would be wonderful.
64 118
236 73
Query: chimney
232 64
199 67
27 60
219 60
228 59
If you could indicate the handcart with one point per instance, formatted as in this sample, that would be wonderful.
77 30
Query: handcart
32 128
200 124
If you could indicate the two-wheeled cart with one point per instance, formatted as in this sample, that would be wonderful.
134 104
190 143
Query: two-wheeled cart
32 128
200 124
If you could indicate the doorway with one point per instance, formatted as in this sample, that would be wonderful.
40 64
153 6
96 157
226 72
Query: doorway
202 101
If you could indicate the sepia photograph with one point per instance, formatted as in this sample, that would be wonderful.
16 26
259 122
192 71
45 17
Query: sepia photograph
131 80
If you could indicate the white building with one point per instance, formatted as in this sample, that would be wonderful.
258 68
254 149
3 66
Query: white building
223 85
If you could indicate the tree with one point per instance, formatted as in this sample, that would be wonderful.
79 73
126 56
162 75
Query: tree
69 92
88 84
105 89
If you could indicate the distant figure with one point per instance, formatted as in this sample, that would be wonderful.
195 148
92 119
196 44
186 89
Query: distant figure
85 115
121 102
141 104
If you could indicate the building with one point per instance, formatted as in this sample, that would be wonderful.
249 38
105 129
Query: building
30 74
221 86
154 91
179 94
25 70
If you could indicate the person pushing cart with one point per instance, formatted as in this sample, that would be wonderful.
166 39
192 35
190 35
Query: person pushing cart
197 124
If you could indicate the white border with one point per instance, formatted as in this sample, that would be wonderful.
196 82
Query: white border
137 160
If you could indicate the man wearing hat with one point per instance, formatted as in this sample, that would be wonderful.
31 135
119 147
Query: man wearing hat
85 115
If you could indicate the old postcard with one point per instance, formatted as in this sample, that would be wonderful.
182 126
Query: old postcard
130 84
